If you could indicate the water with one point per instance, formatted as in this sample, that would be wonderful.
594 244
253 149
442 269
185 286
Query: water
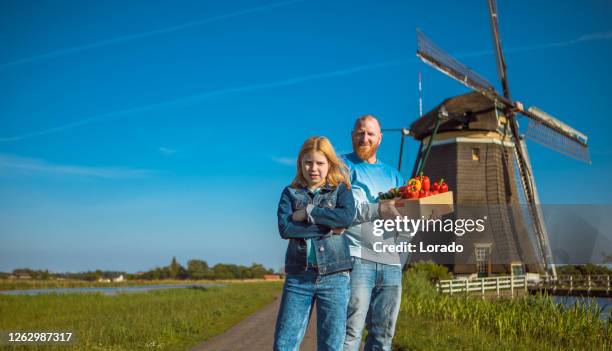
106 290
604 303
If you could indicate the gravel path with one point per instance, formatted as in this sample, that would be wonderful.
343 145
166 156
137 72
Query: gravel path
256 332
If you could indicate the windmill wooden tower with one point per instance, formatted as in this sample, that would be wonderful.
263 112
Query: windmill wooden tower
473 142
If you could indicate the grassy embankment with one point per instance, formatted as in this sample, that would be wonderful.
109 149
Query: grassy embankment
172 319
433 321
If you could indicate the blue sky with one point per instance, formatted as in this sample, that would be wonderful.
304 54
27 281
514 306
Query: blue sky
131 132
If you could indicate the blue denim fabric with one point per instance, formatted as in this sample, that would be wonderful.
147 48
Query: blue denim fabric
376 291
331 207
331 293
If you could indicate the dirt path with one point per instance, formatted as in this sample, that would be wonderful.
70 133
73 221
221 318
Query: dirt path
256 332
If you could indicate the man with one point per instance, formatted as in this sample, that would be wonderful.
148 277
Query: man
376 279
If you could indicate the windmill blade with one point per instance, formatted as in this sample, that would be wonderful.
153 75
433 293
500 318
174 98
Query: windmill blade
556 135
525 173
501 61
432 55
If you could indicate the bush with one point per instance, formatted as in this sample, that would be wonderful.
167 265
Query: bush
433 272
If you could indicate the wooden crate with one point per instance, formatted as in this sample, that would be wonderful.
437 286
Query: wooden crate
431 206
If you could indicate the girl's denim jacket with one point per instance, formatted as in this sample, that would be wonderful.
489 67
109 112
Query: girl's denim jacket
331 207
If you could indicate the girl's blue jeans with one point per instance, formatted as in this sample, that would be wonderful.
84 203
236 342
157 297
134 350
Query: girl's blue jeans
330 292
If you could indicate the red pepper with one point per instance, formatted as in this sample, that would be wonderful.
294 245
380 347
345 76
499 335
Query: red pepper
411 193
443 186
425 182
415 183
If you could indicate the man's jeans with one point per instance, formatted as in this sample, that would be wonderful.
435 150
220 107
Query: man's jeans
331 293
377 287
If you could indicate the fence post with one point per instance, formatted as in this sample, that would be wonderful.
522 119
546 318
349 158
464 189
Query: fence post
467 286
482 287
450 287
497 285
525 282
571 283
589 284
512 286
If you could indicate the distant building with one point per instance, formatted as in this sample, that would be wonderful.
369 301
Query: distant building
272 277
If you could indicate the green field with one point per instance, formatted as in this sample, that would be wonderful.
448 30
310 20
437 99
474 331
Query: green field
6 284
172 319
176 319
433 321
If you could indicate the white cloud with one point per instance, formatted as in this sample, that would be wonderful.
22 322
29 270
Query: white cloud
285 161
206 95
31 166
166 150
130 37
584 38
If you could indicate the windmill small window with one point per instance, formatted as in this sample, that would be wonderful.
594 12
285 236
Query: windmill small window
483 259
475 154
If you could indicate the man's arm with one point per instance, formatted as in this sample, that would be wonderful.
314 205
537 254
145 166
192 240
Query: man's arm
365 212
340 216
289 229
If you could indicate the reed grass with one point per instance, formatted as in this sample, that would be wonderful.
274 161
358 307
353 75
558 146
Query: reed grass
531 320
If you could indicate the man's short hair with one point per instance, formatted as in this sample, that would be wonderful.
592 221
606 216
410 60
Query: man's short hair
365 117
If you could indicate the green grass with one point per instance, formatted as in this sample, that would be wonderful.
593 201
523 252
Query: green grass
172 319
433 321
9 284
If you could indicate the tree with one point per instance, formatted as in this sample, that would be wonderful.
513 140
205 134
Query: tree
197 269
258 270
174 268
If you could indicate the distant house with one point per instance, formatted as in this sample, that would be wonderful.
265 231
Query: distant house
104 280
119 278
272 277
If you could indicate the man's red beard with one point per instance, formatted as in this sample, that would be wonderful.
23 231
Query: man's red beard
365 152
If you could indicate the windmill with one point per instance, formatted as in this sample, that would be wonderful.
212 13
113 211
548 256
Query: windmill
476 135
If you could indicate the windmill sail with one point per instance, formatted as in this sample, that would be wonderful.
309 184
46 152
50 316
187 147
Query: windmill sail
501 62
543 128
431 54
552 133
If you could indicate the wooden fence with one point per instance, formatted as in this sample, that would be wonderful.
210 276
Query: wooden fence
573 283
513 284
482 285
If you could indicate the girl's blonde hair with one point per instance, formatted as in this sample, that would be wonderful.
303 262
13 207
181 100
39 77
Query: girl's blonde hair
337 173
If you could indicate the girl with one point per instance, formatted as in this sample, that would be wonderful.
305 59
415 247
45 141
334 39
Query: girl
312 213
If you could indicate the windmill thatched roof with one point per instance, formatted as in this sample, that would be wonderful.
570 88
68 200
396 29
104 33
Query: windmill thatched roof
478 111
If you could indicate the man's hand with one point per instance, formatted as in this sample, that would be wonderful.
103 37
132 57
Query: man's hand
299 215
387 210
338 231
